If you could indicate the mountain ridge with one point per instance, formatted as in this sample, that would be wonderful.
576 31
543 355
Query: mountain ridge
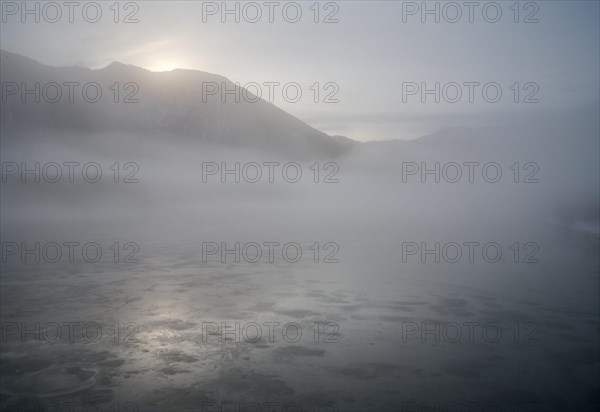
153 102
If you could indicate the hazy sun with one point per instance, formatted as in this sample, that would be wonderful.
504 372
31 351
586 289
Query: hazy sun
163 66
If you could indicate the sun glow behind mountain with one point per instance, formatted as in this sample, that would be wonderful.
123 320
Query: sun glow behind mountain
164 65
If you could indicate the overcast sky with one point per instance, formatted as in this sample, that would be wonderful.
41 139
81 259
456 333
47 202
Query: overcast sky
369 53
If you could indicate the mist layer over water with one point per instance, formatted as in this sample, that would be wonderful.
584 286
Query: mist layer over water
361 320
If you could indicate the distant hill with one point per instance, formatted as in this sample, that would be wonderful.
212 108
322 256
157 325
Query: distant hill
168 103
